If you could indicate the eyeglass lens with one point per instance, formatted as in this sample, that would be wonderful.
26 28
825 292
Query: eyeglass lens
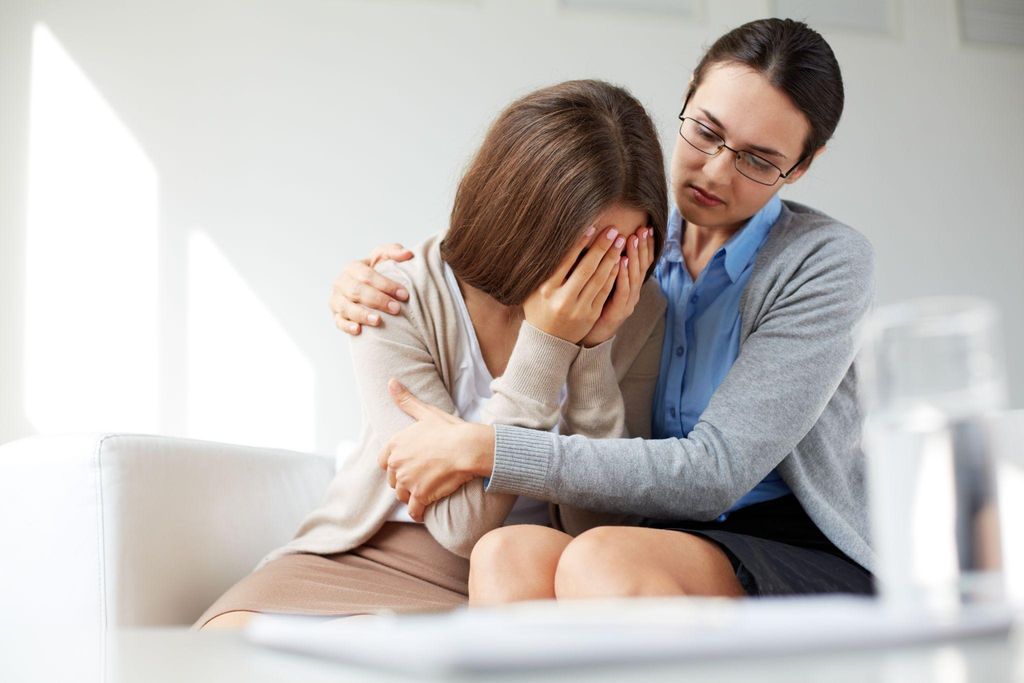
706 140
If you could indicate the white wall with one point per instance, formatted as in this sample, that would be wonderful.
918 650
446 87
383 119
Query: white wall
180 182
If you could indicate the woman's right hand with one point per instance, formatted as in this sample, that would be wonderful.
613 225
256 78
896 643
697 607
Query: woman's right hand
360 290
568 303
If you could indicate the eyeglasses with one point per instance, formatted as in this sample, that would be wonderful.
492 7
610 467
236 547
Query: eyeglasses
705 140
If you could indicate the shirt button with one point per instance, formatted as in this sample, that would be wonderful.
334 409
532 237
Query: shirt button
672 412
680 351
693 299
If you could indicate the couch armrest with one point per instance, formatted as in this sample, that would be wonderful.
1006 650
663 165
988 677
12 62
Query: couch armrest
118 530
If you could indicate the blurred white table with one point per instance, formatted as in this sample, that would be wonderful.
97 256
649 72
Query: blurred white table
177 654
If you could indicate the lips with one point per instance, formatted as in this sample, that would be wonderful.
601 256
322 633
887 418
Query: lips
705 198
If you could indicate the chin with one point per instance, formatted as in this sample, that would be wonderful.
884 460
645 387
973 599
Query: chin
692 211
712 218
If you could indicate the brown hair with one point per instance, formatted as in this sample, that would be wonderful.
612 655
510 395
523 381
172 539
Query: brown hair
550 163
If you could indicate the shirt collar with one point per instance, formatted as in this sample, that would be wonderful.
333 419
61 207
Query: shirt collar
673 250
740 249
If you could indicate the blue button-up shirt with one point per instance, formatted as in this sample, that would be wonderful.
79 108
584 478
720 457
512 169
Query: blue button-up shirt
702 332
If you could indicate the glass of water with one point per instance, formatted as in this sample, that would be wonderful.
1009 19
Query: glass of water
932 376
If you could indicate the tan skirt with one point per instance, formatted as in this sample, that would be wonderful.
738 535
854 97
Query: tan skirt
400 569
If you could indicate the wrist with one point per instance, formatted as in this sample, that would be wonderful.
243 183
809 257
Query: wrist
590 341
480 454
552 329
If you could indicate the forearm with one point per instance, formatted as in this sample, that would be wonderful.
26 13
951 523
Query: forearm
609 407
671 478
459 520
527 394
594 406
480 441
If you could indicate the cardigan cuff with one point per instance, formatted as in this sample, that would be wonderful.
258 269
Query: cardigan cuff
521 459
539 364
592 375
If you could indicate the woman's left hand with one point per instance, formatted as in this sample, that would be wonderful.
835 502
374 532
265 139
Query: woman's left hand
434 457
628 283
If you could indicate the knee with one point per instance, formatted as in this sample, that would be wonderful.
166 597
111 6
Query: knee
510 563
596 549
600 563
501 548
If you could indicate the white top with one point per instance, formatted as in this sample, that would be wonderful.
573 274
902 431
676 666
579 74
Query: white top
472 391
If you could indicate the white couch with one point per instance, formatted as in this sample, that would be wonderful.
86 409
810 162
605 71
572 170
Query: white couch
111 530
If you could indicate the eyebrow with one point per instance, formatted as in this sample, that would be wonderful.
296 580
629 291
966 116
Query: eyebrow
768 151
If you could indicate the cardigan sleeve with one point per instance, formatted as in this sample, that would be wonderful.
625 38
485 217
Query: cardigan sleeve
528 394
610 398
787 372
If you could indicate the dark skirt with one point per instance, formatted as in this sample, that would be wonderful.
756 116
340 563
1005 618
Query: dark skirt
776 549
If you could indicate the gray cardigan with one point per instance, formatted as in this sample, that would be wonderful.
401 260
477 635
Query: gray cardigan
789 401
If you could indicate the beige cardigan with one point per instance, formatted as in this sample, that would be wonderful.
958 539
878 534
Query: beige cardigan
610 390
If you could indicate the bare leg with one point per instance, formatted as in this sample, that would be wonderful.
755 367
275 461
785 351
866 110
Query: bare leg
633 561
515 563
235 619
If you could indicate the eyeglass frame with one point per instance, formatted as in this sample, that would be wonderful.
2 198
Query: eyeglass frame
736 152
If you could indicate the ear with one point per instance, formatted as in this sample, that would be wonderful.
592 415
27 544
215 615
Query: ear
798 172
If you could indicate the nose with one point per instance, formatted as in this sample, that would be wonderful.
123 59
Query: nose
720 167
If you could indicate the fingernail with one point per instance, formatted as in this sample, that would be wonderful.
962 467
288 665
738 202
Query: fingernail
402 294
394 307
590 232
611 234
625 261
373 318
353 328
619 242
636 241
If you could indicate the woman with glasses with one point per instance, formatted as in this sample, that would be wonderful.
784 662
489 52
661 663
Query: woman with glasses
753 483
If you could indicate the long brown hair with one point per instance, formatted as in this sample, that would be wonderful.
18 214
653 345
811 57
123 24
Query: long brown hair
550 163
